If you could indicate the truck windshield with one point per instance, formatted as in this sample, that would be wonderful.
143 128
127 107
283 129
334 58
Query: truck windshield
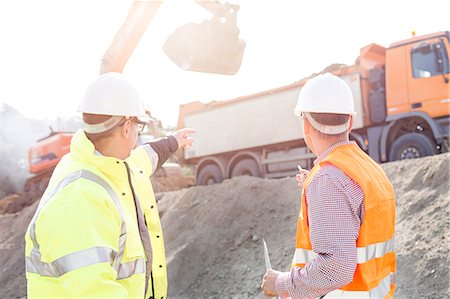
429 60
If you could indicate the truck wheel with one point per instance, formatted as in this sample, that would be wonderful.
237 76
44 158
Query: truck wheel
411 146
246 167
209 175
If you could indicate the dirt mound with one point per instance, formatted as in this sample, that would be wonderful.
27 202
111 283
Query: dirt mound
16 202
172 183
423 226
12 248
7 187
213 234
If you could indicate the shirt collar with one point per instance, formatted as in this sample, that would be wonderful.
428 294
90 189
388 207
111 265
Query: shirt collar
330 149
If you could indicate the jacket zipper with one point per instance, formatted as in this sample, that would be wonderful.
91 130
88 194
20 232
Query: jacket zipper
135 202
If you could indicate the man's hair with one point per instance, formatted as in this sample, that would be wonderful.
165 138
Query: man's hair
330 119
93 119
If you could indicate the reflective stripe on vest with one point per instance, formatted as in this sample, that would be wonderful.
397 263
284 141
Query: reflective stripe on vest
364 254
86 257
378 292
377 250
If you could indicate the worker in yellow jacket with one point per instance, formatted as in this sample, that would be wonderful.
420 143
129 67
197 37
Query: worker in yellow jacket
345 229
96 232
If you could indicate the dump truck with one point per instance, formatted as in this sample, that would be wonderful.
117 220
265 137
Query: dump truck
401 94
212 46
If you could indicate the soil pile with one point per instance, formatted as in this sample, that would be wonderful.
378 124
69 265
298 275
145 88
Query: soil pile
172 183
214 234
422 190
12 248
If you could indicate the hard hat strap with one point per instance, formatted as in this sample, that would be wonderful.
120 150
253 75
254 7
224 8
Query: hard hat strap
103 126
326 129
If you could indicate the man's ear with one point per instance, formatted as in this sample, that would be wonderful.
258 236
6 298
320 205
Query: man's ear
306 127
125 130
350 127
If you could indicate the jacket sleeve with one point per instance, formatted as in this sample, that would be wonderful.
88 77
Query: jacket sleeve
152 155
75 229
163 148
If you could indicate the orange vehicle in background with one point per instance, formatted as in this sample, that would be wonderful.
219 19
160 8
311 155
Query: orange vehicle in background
402 100
43 157
409 96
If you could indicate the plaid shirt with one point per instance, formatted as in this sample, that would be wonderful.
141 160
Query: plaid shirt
335 207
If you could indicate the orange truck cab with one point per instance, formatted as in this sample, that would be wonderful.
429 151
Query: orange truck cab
408 93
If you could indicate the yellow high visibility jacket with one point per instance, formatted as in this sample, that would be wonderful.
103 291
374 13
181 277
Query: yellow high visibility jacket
84 241
375 271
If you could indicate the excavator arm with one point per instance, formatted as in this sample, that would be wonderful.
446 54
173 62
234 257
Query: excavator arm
139 17
212 46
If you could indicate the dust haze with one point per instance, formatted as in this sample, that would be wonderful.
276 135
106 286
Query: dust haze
17 134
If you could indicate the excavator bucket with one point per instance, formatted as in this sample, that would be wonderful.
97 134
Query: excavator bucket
212 46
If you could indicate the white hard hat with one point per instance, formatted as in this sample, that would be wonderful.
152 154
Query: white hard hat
325 94
112 94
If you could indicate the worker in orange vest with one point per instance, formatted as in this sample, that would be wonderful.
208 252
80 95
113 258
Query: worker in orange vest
345 230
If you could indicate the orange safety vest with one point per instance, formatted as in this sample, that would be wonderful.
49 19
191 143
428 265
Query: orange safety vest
375 271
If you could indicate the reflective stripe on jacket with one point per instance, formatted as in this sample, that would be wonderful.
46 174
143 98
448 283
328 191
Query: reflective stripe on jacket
84 239
375 271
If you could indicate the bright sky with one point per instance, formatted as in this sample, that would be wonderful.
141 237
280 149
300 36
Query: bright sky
51 50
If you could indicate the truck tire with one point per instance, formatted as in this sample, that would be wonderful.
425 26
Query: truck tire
246 167
411 146
209 175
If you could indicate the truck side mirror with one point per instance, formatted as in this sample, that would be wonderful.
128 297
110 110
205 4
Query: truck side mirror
439 50
439 57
